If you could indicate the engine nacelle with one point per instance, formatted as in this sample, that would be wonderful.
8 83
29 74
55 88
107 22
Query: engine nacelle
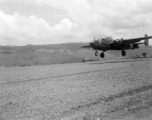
146 41
117 42
114 42
135 46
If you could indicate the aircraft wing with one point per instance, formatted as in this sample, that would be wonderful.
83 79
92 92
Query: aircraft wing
135 40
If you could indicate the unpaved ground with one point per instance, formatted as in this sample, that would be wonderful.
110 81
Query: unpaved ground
88 91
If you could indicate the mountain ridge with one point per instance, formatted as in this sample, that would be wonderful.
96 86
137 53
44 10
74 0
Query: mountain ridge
57 54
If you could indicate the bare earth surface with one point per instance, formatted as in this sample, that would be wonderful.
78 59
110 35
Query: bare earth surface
115 90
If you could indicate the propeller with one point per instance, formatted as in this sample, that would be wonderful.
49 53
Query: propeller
89 46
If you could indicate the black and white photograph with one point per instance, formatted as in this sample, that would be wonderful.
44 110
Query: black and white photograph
75 59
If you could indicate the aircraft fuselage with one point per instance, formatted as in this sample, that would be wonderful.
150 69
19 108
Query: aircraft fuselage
105 44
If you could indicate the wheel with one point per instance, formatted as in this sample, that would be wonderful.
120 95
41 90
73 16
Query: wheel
123 53
96 53
102 55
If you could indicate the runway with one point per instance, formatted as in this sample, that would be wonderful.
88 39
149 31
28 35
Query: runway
94 90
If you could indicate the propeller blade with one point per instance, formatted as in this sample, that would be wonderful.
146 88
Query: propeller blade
87 46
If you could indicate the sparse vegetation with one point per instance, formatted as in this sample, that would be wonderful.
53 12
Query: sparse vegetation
56 54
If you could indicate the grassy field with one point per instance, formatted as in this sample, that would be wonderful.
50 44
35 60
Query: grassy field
75 91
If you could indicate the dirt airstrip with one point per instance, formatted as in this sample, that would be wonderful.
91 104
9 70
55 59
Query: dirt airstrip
115 90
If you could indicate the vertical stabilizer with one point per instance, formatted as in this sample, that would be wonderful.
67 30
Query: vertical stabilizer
146 42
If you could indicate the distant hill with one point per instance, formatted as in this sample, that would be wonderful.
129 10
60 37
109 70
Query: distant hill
56 54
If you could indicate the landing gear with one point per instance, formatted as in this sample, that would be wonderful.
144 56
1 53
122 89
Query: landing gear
102 55
96 53
123 53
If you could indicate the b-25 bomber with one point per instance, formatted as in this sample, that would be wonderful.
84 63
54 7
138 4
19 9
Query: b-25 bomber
105 44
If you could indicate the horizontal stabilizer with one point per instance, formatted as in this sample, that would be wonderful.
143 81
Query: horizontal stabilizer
140 43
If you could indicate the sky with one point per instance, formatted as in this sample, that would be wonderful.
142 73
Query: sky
37 22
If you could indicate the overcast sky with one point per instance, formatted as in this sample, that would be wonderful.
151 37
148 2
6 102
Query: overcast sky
58 21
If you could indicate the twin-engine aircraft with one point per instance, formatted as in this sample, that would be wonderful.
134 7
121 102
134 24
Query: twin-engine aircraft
105 44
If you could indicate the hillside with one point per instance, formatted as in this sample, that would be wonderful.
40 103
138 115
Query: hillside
56 54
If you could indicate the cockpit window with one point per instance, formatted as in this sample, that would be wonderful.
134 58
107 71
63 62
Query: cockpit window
96 40
100 40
